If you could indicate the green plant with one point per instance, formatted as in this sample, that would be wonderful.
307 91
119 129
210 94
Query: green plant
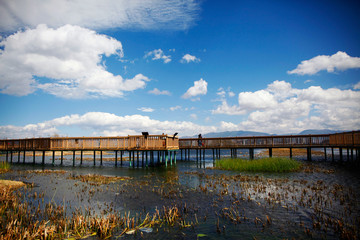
275 164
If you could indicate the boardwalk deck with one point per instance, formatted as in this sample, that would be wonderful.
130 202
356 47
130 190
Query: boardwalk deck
129 143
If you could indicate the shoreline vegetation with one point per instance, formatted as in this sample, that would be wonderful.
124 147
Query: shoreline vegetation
273 164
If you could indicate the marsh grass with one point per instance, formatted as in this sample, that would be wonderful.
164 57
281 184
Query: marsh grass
274 164
4 167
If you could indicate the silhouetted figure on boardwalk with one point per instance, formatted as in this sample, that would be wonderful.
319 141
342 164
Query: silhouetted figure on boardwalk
200 140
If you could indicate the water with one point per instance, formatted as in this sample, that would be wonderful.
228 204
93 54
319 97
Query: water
220 204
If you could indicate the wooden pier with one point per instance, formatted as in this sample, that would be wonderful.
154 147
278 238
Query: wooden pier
163 148
347 140
145 145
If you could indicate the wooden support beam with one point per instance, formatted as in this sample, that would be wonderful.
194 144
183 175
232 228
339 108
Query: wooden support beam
74 158
94 158
43 158
24 156
291 153
81 157
11 156
53 158
121 158
34 155
62 157
116 158
271 153
101 158
19 157
7 156
309 153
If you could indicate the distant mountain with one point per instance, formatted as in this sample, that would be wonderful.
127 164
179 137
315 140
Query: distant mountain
319 131
231 134
251 133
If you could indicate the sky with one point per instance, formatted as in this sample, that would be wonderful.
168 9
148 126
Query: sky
121 67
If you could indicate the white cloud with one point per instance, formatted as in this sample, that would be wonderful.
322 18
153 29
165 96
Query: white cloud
199 88
231 94
146 109
340 61
296 109
158 54
68 60
104 124
175 108
156 91
189 58
357 86
127 14
193 116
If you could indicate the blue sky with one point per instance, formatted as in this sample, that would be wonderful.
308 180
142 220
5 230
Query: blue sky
122 67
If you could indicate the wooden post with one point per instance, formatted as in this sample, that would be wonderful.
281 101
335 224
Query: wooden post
34 157
309 153
19 156
43 158
332 154
291 153
129 158
146 155
142 159
325 154
197 154
213 152
11 155
166 158
121 158
175 157
347 154
185 154
170 157
181 154
270 152
7 156
116 157
94 158
81 157
73 158
137 158
24 156
352 154
101 158
133 152
53 158
62 157
204 154
341 154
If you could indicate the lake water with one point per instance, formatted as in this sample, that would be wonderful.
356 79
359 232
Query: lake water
321 201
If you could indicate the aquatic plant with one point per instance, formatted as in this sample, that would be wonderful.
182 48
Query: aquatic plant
4 167
274 164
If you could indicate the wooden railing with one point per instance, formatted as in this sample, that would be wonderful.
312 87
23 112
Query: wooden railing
319 140
346 139
140 142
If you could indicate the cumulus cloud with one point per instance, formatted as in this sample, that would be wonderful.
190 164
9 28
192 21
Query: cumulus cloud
187 58
340 61
280 108
104 124
156 91
126 14
158 54
357 86
66 62
199 88
146 109
175 108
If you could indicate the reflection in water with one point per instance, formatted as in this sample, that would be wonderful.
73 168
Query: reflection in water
321 201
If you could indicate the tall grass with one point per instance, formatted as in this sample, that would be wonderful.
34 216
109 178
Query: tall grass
4 167
274 164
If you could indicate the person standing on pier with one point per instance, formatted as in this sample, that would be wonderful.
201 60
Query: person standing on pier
200 140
